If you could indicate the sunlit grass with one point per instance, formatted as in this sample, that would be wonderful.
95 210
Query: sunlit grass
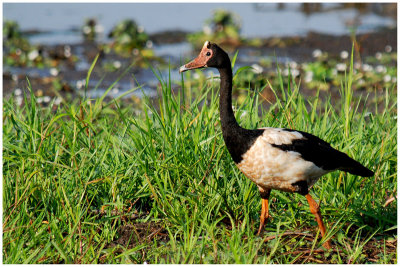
166 166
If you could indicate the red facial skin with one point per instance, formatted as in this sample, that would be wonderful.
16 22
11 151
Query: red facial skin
201 60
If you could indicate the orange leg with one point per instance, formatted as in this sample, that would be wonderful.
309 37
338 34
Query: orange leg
264 208
314 208
264 215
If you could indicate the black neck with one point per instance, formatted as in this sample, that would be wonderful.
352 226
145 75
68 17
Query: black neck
228 121
237 139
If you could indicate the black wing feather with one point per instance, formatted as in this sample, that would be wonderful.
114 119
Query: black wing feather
316 150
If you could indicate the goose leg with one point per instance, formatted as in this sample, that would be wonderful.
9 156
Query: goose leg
314 208
264 208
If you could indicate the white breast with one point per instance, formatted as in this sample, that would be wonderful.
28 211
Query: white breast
273 168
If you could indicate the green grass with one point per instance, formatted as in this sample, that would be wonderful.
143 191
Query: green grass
170 191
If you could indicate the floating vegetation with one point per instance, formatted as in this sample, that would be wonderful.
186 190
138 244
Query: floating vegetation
128 38
17 50
223 28
12 35
329 70
91 29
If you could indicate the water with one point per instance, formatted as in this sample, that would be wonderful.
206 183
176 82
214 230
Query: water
258 20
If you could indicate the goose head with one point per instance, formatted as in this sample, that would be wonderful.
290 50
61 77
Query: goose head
211 55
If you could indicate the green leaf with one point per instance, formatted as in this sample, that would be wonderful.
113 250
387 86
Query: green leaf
234 59
90 72
241 69
67 259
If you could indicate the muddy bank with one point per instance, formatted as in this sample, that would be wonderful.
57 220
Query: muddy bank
301 48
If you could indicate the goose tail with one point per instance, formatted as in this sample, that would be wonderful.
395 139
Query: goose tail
357 168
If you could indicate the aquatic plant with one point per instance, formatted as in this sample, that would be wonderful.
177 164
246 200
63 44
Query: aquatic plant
223 27
372 73
13 38
17 49
128 36
318 74
11 31
225 22
90 29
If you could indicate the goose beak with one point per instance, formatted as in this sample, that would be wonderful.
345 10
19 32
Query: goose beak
183 69
196 63
199 62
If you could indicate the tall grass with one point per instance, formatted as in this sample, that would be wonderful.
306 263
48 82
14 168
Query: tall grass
165 167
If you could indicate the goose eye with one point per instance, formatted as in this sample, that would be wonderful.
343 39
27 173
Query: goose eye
208 54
